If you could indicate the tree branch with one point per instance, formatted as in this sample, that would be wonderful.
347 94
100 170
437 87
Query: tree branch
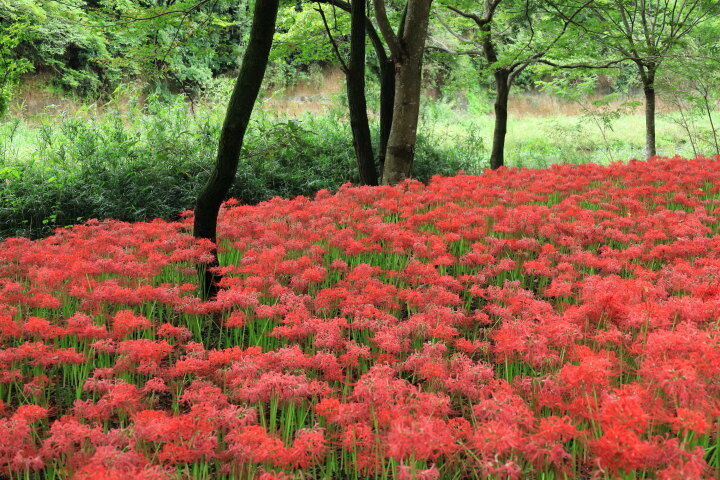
491 6
452 32
129 19
474 17
523 64
609 64
393 42
369 27
343 64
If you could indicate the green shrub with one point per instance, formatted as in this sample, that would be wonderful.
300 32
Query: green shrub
151 163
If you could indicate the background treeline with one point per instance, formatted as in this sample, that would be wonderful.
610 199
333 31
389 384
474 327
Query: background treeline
90 47
140 89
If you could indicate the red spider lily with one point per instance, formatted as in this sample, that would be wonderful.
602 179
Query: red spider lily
554 323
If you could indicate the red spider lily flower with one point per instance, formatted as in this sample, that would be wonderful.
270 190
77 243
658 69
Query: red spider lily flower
407 473
528 322
407 438
126 322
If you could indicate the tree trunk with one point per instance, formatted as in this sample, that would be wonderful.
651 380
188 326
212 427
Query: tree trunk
386 77
647 75
387 93
387 87
707 101
359 124
406 108
502 92
387 101
237 117
650 150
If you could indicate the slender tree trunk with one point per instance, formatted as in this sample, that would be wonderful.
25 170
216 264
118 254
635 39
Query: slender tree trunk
386 77
387 93
406 110
502 89
355 77
387 102
706 101
387 90
687 125
237 117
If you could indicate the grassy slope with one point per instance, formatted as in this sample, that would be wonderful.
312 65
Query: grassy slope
532 141
129 162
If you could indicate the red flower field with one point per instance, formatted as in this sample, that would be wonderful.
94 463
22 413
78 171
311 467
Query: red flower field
535 324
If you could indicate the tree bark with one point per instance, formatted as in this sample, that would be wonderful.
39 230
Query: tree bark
647 75
386 77
650 149
387 93
408 56
706 100
237 117
502 93
387 102
362 141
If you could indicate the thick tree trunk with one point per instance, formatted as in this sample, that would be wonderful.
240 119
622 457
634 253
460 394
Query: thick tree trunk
408 75
647 75
650 150
502 92
400 150
237 117
359 124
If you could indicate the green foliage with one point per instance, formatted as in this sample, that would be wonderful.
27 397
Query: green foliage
520 33
302 39
90 47
150 162
140 162
180 45
646 33
11 66
78 169
59 39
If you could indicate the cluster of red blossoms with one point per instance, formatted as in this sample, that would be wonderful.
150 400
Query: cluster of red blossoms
556 324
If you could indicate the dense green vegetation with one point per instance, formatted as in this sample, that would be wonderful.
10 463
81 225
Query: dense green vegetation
150 162
132 162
